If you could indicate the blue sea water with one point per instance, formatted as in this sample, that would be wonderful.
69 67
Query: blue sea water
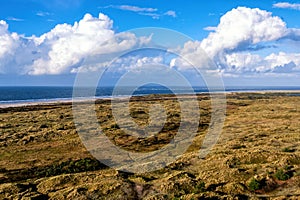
11 95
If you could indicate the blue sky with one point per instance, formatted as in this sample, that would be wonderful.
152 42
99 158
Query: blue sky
264 55
40 16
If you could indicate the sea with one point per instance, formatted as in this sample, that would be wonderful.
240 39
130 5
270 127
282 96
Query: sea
39 94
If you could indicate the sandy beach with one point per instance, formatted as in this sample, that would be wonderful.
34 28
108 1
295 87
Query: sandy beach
54 101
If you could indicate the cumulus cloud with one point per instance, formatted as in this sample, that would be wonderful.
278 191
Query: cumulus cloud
283 59
242 27
295 6
232 43
64 47
242 62
9 43
191 56
275 62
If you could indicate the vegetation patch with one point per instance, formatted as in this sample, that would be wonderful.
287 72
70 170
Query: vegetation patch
254 185
282 175
82 165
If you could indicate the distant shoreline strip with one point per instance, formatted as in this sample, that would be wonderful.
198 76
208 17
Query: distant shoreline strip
36 102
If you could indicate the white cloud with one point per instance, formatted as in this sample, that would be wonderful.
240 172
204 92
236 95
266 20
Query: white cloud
242 27
136 8
63 48
283 59
239 63
43 14
69 45
151 12
210 28
14 19
157 15
232 42
122 64
242 62
136 62
171 13
192 56
295 6
153 15
9 43
65 45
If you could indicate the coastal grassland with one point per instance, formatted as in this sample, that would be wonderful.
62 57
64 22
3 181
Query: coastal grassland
257 154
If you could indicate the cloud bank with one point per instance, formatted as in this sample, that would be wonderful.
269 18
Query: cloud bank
244 42
63 48
234 44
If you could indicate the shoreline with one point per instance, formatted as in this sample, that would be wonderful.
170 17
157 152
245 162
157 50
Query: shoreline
50 102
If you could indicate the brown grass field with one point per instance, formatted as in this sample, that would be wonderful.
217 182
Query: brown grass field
257 155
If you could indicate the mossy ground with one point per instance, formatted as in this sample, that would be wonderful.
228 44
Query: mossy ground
257 154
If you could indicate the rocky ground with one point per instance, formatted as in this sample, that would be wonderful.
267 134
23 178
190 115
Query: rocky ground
257 155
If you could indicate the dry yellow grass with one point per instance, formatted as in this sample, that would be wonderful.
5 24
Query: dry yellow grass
257 154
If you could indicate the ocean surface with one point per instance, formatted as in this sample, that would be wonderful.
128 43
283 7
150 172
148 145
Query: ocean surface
16 95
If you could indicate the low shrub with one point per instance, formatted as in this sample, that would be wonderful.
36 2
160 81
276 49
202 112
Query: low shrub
254 184
281 175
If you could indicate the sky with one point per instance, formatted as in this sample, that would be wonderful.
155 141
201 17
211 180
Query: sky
250 42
